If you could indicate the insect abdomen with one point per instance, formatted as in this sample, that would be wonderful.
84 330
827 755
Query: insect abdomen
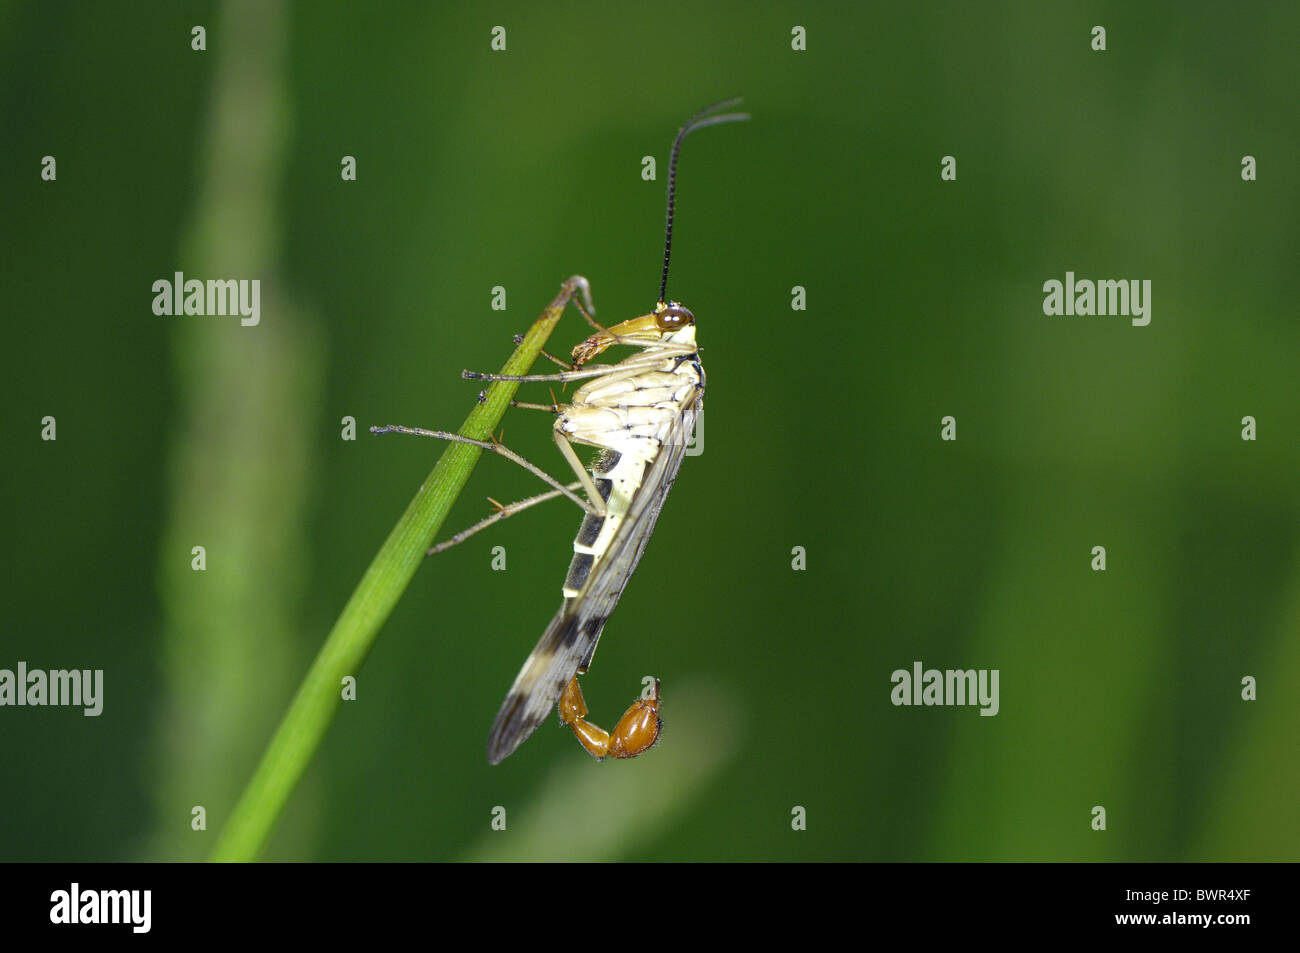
617 476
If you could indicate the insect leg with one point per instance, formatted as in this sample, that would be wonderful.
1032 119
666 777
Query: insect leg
566 448
575 285
589 316
553 407
519 339
636 363
505 452
524 405
591 370
636 732
501 513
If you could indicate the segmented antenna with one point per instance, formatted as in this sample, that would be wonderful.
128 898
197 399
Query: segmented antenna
698 121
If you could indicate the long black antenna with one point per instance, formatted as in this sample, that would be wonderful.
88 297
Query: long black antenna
698 121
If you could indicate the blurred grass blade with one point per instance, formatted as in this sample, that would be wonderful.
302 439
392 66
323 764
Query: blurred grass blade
348 643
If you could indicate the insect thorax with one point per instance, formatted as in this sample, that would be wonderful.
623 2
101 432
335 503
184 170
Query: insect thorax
633 409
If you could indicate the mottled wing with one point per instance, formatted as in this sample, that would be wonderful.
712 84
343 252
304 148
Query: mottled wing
570 640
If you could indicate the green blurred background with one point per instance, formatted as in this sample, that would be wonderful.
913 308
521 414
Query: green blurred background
518 168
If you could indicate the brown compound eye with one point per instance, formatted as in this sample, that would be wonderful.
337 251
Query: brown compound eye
673 317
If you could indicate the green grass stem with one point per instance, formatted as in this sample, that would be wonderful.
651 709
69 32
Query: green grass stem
349 641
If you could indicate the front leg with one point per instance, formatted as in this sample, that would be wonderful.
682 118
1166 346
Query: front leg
576 285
